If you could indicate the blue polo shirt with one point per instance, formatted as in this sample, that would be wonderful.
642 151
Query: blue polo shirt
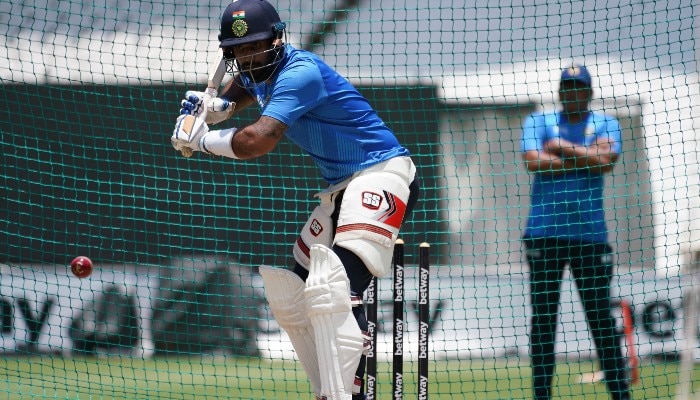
570 205
326 116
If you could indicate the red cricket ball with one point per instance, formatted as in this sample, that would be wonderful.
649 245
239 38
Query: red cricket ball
81 267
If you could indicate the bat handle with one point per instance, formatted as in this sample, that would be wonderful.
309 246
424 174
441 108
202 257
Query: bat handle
209 93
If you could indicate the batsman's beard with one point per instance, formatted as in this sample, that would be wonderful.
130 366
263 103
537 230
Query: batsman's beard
256 73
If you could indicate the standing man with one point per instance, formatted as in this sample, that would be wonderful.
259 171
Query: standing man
349 237
568 152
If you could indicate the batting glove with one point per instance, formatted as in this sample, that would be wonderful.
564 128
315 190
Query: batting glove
188 134
218 109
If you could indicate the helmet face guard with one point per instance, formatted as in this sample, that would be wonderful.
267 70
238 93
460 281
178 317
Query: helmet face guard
253 70
250 21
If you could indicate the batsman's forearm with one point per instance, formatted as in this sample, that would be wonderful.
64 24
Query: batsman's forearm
250 142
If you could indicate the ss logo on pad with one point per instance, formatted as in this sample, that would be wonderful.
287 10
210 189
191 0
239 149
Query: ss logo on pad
371 200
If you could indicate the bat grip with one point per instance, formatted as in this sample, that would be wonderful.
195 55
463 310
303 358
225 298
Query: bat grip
209 93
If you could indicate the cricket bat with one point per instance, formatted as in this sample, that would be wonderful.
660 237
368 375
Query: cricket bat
216 76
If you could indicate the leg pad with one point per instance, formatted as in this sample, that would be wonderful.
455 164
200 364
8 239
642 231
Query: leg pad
339 341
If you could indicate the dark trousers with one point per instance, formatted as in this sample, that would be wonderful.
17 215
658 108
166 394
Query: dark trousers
591 268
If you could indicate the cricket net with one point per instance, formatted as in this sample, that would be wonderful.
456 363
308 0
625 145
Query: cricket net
175 308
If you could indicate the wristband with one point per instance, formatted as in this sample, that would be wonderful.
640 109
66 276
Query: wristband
218 143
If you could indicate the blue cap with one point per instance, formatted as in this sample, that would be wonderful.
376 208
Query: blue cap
577 73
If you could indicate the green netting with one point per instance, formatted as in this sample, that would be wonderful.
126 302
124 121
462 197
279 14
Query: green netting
176 308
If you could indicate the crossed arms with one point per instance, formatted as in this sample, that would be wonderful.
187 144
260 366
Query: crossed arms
560 156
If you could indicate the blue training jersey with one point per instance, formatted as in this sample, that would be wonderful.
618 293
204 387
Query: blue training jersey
326 116
570 205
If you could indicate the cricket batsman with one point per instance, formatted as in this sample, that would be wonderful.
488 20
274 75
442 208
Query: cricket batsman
372 186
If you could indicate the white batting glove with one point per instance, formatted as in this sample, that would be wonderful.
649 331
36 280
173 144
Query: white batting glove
188 134
218 109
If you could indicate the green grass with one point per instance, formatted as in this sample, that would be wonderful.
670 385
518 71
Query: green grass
200 378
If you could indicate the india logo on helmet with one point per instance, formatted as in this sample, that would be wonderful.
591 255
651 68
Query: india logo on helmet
239 28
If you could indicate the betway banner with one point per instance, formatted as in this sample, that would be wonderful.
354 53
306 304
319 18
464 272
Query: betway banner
49 311
471 316
196 305
488 316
